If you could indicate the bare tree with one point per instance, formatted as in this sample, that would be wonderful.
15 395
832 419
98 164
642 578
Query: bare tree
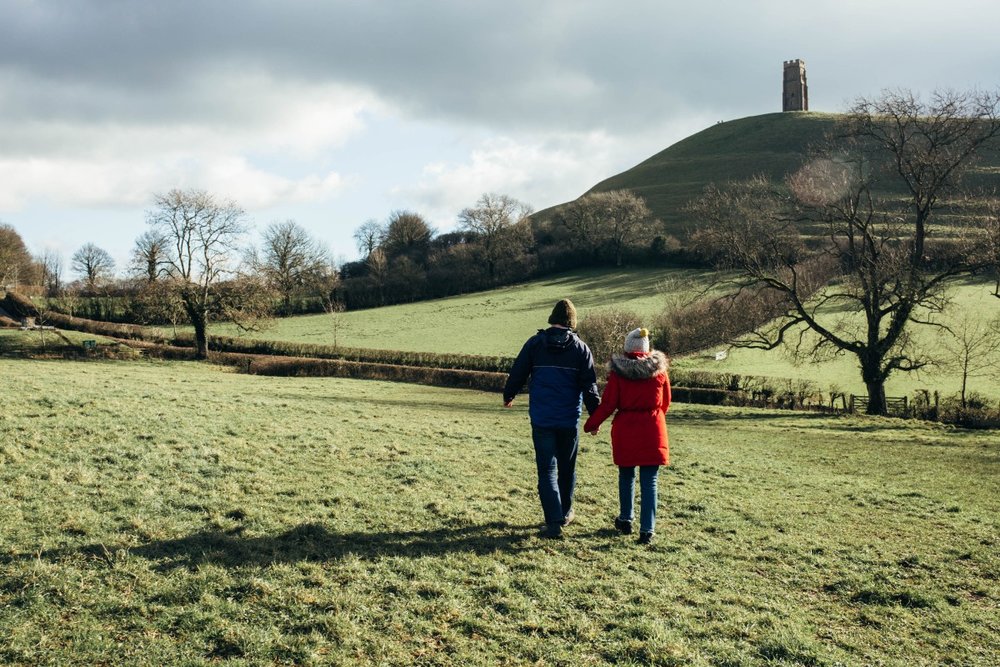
587 231
894 275
157 302
93 265
52 268
492 220
991 245
292 261
369 236
149 255
378 271
972 347
202 235
619 218
335 309
629 220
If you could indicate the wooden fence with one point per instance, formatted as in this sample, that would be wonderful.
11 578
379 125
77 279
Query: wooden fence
894 404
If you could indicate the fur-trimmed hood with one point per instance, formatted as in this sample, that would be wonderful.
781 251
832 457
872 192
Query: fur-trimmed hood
639 368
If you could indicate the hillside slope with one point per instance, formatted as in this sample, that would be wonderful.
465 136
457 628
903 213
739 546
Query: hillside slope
772 144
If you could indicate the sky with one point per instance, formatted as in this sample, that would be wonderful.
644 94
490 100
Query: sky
337 112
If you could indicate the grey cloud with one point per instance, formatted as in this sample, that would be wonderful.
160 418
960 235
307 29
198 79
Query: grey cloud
516 64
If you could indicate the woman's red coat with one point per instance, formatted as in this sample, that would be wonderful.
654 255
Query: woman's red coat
639 428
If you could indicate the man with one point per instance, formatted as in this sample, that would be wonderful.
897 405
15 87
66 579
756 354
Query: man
561 368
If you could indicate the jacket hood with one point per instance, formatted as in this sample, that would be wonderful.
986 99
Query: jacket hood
639 368
557 337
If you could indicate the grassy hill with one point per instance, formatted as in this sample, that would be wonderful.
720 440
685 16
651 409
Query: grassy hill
774 144
178 514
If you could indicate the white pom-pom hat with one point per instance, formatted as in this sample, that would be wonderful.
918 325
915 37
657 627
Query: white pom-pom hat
637 340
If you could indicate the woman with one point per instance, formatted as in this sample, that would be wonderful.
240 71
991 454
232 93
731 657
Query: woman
638 391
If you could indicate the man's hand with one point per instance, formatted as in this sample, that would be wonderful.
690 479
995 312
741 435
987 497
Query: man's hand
509 403
595 431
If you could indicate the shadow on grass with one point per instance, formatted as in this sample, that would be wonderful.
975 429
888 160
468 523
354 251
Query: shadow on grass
694 414
307 542
598 290
413 402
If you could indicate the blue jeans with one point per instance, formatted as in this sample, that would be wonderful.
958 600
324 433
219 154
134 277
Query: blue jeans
555 456
647 488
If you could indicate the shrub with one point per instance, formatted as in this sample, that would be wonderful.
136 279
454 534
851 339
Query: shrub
604 332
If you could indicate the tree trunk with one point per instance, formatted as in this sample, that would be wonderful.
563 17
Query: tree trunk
874 379
876 397
200 322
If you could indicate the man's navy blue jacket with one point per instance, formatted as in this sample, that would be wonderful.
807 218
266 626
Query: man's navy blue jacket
561 368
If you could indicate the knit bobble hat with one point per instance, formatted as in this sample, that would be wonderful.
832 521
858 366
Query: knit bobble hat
637 340
564 314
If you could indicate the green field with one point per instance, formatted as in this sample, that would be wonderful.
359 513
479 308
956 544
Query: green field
496 322
178 514
842 372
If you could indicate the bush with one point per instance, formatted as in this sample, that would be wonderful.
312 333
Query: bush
604 332
977 412
306 367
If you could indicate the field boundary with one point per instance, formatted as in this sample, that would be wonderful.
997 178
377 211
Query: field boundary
486 373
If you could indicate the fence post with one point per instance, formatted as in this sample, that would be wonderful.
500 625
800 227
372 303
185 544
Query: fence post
852 404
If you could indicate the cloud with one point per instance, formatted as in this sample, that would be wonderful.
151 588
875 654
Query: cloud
231 132
513 65
107 101
540 170
120 183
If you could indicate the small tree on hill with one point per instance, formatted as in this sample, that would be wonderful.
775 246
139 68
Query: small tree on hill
368 236
619 219
94 265
492 220
292 262
51 263
894 274
972 347
149 256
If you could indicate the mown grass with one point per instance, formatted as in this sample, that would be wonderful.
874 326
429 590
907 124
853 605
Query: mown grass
174 513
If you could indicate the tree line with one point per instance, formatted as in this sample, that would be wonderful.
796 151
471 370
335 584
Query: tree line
192 266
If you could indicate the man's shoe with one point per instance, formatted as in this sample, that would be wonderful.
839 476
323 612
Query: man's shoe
622 526
553 531
568 519
645 538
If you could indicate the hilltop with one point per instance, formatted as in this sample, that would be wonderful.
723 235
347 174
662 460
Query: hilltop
773 144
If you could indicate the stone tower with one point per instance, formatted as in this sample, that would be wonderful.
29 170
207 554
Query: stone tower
795 95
